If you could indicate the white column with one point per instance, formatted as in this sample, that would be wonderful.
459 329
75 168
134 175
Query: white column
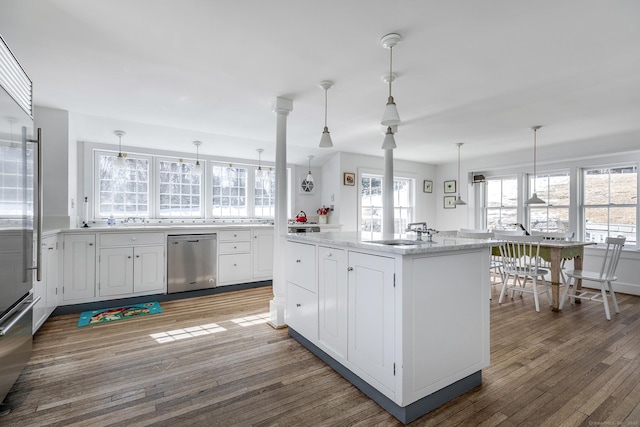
282 107
387 195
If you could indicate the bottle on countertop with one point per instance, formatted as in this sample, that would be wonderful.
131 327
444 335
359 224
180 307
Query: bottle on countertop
111 221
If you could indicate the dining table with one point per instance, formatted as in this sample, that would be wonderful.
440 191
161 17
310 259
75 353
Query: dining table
554 252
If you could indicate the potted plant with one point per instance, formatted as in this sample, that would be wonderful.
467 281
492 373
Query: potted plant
322 215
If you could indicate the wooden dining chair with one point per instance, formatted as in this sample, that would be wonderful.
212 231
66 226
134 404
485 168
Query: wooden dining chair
496 262
520 263
555 235
604 277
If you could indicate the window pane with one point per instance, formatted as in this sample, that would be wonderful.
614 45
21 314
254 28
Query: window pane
558 189
264 194
596 187
230 182
179 190
123 191
371 216
624 189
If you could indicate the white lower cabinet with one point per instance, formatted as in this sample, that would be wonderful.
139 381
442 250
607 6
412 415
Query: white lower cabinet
79 267
371 316
47 288
131 270
234 256
263 254
332 301
301 311
148 269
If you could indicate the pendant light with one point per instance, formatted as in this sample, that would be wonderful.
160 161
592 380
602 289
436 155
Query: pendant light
121 159
534 200
459 201
390 116
389 142
259 172
325 140
309 177
197 169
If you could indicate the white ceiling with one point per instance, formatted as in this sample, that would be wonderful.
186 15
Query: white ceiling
478 72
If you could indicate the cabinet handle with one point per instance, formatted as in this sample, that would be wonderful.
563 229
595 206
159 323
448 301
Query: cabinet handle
349 268
235 247
297 305
51 248
330 254
298 260
90 244
129 257
137 256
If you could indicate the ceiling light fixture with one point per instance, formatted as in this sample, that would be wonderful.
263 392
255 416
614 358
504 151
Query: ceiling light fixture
459 201
309 177
534 200
390 116
197 169
325 140
389 142
121 159
259 172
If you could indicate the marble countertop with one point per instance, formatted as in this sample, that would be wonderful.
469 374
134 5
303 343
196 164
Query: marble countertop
368 241
180 228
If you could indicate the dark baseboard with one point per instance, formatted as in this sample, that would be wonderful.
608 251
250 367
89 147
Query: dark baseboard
99 305
405 414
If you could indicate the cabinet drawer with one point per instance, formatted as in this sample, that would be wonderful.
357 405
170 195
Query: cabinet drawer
234 235
129 239
235 247
301 311
301 268
234 268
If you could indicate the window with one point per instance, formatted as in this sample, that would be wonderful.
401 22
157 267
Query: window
610 197
180 190
554 190
264 194
371 203
501 205
229 189
12 183
122 192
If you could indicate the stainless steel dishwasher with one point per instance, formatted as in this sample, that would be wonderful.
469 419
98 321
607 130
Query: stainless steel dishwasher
192 262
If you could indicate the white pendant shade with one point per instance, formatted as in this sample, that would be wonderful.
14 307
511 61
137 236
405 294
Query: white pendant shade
197 169
309 177
389 142
535 200
325 140
459 202
259 172
390 117
121 161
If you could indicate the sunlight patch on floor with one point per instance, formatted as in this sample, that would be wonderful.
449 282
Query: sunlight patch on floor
191 332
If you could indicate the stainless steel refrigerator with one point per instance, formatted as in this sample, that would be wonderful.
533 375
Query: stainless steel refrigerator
20 217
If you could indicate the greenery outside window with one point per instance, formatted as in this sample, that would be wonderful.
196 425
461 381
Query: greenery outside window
554 189
610 202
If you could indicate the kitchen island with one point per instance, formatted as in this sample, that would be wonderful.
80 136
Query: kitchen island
405 322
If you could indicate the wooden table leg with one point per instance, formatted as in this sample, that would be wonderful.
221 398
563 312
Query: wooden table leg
577 265
555 278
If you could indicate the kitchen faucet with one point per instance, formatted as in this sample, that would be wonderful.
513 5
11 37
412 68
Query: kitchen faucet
421 229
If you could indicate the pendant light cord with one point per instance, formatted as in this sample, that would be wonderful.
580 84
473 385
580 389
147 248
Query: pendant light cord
325 107
535 132
390 68
458 171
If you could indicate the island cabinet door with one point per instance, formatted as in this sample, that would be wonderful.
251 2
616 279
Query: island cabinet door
371 342
301 265
332 301
301 311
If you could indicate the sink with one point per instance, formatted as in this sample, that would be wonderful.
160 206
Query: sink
397 242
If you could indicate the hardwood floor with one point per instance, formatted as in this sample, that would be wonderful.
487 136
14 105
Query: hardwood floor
547 369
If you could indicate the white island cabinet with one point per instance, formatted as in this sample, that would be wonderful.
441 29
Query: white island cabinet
408 325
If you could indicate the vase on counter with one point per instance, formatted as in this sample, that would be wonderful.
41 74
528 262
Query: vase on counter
322 219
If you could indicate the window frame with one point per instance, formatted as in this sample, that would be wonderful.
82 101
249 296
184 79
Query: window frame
397 177
583 206
485 200
527 208
156 185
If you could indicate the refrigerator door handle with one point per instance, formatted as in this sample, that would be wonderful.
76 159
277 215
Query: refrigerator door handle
39 192
5 329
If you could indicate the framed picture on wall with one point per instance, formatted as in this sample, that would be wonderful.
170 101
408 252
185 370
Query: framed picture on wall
349 178
449 202
450 186
427 186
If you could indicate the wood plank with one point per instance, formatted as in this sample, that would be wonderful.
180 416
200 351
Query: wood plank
565 368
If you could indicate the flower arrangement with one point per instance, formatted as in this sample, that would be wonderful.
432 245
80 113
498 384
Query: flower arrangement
323 211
